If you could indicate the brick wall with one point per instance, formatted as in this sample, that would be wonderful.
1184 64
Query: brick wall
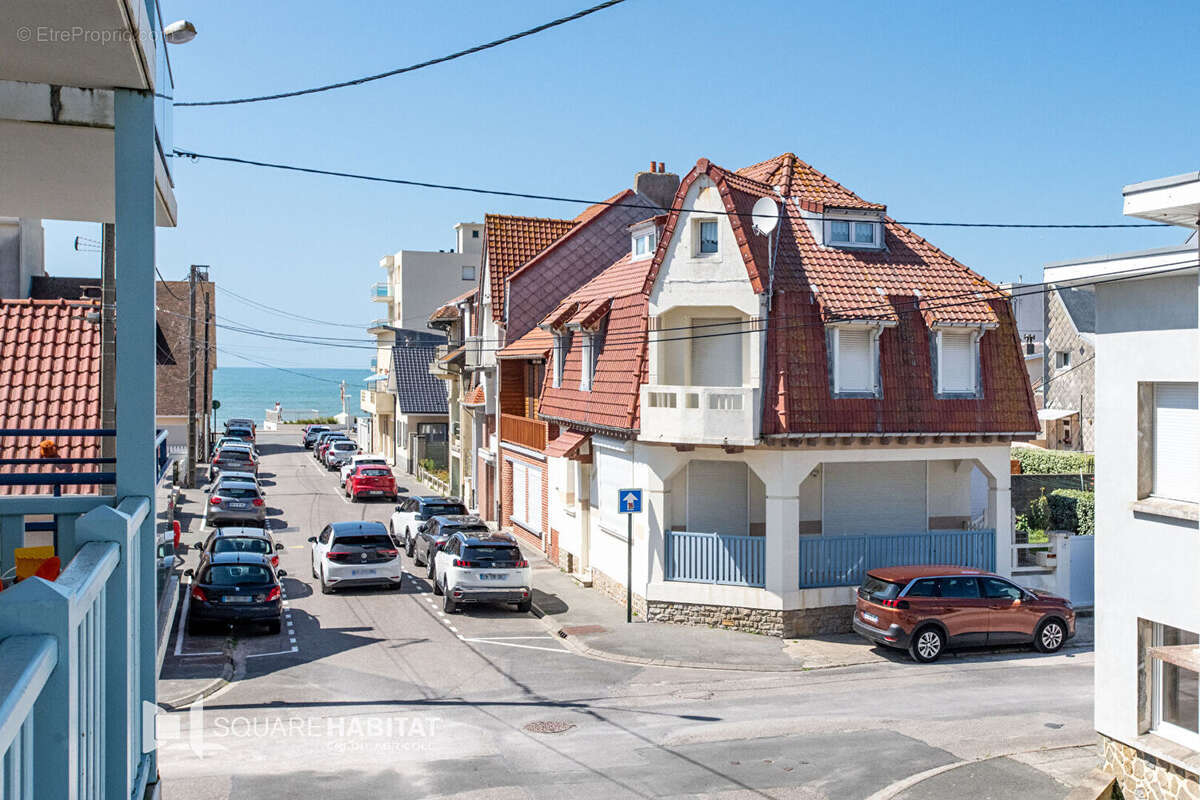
542 543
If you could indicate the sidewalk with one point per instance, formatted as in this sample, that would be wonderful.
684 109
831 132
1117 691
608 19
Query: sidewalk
592 624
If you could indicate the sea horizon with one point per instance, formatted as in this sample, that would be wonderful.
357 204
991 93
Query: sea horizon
309 392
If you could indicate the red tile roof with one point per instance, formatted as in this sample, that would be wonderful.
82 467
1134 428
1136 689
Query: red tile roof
476 397
612 403
566 444
794 178
510 242
535 344
450 309
50 363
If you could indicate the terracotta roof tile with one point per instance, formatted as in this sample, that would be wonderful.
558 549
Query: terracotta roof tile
476 397
795 178
450 309
565 444
50 363
510 242
534 344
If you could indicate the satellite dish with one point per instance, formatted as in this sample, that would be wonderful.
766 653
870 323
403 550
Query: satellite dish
765 215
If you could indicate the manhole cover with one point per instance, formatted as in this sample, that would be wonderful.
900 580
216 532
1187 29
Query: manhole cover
549 726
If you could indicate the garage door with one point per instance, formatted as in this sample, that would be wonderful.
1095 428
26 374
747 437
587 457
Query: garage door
886 497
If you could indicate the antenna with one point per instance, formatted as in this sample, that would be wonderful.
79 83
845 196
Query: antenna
765 215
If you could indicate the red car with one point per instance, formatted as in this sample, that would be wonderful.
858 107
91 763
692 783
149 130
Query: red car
371 481
927 609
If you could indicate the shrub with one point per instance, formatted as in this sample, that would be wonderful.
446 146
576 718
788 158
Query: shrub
1053 462
1038 518
1073 510
312 421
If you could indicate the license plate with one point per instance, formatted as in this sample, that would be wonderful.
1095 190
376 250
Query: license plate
491 576
870 617
236 598
362 572
237 505
375 491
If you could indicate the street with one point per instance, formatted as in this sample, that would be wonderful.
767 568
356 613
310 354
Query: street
369 693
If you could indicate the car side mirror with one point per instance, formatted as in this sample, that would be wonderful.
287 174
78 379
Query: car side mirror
279 545
281 573
198 546
189 572
397 508
312 539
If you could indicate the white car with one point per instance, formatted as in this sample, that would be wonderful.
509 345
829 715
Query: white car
475 567
339 453
414 511
355 554
371 459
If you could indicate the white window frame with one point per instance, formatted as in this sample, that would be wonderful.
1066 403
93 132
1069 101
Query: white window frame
562 343
974 366
474 272
587 360
851 241
873 356
531 478
1062 359
647 237
697 238
1158 725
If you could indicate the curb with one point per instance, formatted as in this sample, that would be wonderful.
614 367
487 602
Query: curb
207 690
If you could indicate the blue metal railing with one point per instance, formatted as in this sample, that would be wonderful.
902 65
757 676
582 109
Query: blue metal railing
381 290
71 691
715 558
844 560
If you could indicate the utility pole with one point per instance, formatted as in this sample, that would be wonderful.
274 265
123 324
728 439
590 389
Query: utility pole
108 339
190 480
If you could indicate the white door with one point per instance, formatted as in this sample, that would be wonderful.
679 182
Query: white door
874 497
716 359
717 497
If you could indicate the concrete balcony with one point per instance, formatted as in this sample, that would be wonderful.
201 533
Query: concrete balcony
374 402
381 292
700 414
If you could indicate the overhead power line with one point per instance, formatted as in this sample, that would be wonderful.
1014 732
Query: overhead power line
561 199
412 67
287 314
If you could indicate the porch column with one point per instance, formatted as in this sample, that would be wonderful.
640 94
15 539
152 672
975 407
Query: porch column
133 184
999 518
783 544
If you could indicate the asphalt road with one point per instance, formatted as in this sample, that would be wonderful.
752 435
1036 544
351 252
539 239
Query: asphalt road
377 693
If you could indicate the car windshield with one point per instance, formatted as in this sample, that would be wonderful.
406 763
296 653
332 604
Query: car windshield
242 544
237 492
236 575
363 540
374 473
343 445
443 509
879 589
492 553
468 529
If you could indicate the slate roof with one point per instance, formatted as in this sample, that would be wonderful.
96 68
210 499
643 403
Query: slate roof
1081 307
510 242
50 363
417 392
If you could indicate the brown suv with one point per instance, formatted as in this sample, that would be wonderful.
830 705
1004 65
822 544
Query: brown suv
926 609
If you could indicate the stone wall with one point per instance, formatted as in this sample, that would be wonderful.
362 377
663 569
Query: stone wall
818 621
1141 775
615 590
751 620
1072 386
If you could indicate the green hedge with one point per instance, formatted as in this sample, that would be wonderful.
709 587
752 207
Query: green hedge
1053 462
1073 510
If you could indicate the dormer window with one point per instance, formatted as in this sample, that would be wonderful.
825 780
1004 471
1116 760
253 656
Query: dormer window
562 343
854 366
644 242
957 360
853 233
587 360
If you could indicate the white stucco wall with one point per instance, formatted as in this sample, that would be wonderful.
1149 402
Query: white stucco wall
422 282
1147 567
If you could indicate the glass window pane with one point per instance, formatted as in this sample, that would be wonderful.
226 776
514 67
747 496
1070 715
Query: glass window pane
923 588
1179 697
839 231
708 237
864 232
959 587
639 245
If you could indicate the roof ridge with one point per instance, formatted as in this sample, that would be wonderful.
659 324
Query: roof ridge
52 301
528 218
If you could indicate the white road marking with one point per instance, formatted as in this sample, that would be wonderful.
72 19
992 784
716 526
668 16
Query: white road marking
276 653
187 603
209 653
506 638
523 646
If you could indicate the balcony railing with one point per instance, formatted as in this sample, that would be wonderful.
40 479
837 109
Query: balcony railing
699 414
716 558
381 290
844 560
523 431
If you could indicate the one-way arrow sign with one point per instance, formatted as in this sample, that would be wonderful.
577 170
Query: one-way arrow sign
629 501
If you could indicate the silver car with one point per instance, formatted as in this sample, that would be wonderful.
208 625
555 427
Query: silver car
232 502
339 453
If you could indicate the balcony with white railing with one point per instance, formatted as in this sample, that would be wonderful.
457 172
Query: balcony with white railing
699 414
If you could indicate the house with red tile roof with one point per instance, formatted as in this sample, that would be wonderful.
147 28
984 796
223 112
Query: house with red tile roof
803 395
529 264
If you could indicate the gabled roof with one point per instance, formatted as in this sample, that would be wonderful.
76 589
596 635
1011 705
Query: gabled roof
794 178
510 242
50 363
417 392
450 310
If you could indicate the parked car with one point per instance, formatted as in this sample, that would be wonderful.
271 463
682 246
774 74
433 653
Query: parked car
433 534
237 446
355 554
238 539
241 422
320 438
234 502
236 587
927 609
361 460
481 568
412 512
248 477
323 445
310 433
246 434
338 452
230 460
233 440
371 481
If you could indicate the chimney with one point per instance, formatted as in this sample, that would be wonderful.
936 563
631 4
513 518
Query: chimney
657 185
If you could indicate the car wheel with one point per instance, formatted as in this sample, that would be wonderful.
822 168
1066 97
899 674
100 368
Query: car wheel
927 644
273 627
525 606
1051 636
353 497
448 604
312 566
417 558
408 544
437 588
431 574
325 588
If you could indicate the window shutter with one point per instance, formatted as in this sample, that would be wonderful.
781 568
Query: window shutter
854 359
533 505
1176 442
519 490
957 362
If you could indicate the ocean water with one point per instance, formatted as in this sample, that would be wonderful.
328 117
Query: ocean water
250 391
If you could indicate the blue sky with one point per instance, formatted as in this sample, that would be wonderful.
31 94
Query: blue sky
1017 112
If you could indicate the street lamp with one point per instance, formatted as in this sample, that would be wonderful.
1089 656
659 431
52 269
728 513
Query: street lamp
179 32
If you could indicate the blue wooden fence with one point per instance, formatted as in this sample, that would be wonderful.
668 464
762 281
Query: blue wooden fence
716 558
844 560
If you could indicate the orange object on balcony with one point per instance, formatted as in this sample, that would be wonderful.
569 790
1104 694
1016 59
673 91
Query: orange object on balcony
30 559
523 431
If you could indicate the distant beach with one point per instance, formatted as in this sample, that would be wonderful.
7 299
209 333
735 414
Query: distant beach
250 391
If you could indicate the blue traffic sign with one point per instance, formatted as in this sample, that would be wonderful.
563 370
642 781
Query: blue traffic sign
629 501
